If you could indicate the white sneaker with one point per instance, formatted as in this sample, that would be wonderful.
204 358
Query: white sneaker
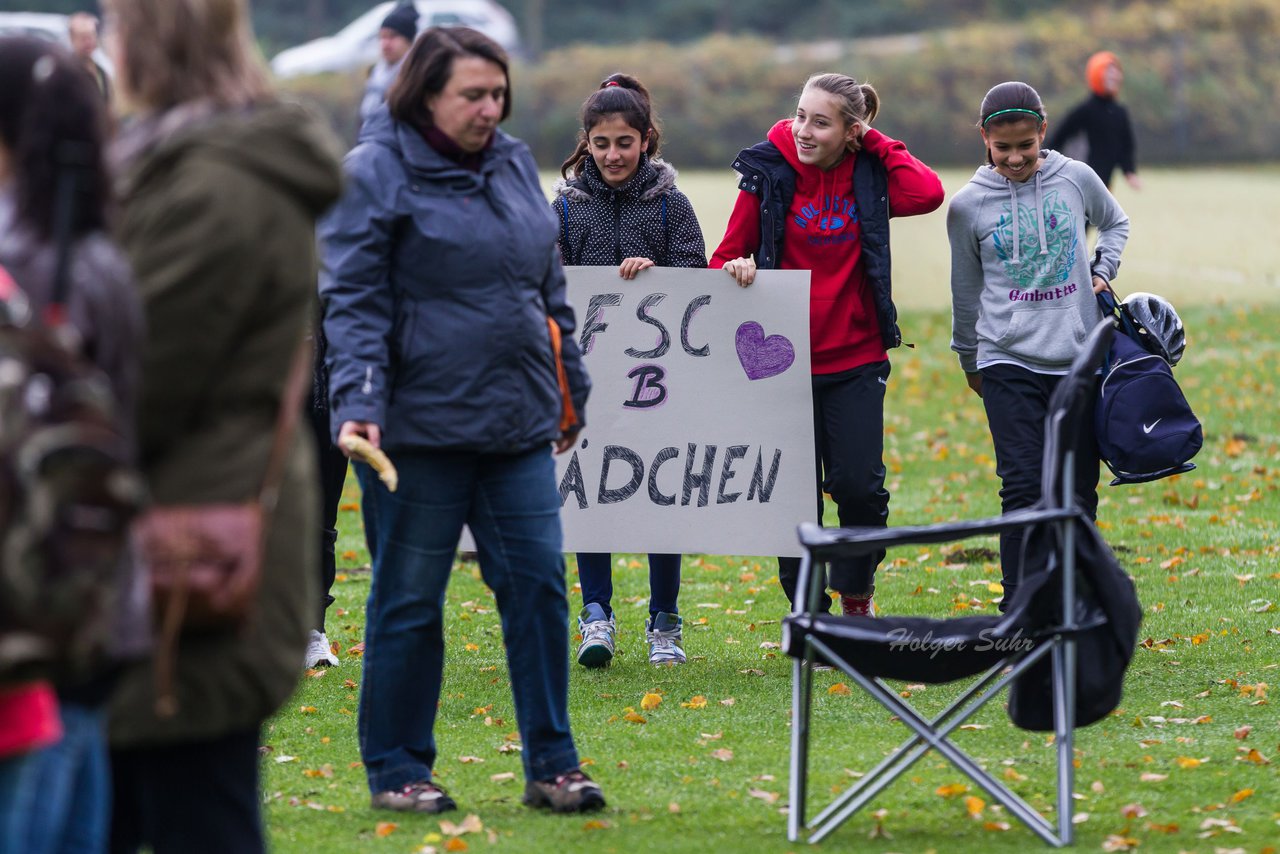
319 653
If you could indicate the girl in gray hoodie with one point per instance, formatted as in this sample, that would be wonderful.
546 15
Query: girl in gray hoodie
1023 281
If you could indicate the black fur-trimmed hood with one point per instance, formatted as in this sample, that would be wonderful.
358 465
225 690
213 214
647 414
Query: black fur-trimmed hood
653 179
646 217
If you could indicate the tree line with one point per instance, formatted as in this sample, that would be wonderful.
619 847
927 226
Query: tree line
1200 82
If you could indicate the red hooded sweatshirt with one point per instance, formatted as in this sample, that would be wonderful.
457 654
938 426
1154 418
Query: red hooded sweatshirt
823 235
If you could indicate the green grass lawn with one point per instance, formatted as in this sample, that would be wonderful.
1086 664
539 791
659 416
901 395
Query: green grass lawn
1188 763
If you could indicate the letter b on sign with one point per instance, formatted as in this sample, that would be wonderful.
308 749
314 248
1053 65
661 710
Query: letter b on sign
648 390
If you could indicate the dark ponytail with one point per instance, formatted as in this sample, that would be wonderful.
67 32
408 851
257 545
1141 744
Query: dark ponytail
51 120
619 95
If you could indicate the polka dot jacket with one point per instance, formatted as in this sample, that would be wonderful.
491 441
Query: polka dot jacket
645 218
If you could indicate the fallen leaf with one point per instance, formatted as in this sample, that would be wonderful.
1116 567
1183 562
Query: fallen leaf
1133 811
504 777
767 797
698 702
974 806
456 844
650 702
1241 795
1255 757
595 824
635 718
673 808
724 754
840 689
1116 842
1243 732
1188 762
951 790
470 824
1148 777
385 828
469 760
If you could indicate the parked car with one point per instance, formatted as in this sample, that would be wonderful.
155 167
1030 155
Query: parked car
46 25
355 46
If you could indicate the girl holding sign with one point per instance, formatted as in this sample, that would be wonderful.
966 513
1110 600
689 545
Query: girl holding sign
618 205
817 195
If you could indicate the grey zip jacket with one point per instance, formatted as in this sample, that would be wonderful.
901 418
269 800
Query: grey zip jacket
1021 270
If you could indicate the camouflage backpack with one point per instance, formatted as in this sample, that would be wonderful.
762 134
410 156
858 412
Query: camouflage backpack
68 492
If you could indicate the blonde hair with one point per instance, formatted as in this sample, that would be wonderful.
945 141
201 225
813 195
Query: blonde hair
858 102
175 51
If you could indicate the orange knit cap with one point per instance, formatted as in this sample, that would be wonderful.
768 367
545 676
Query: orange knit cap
1096 68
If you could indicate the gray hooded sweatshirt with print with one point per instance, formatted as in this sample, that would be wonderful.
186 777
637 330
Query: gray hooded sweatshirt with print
1021 270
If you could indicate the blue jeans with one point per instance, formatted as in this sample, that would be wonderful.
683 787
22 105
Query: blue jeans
595 573
58 799
511 504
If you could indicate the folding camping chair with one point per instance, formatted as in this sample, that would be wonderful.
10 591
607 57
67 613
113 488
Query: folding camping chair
1039 632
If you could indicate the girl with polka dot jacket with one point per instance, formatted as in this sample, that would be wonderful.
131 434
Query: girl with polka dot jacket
618 205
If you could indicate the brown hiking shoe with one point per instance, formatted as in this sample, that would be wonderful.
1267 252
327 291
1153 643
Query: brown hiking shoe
422 796
572 792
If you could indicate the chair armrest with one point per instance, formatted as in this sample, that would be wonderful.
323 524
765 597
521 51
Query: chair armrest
827 543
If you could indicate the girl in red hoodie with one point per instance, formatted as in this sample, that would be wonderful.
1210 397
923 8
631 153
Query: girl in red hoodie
817 195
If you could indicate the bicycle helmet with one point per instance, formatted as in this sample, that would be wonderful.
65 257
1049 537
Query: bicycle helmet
1158 319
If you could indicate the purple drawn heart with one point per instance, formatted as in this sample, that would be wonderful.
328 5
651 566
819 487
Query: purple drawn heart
762 356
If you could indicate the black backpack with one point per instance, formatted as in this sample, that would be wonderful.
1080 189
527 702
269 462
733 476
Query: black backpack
68 492
1106 601
1145 427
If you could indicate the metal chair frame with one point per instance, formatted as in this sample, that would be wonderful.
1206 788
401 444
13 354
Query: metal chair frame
1057 508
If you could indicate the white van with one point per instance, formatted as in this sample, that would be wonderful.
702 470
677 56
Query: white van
355 46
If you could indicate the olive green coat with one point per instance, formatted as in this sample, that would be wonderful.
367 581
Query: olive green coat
218 218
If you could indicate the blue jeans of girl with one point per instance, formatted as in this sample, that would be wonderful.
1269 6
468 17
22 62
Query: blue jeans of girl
595 573
512 507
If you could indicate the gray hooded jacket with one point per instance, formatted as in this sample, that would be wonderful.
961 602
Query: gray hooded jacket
1021 271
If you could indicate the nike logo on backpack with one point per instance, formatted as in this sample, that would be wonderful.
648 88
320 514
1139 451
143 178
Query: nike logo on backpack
1147 428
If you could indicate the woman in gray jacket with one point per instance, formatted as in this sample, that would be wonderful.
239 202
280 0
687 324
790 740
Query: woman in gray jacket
441 271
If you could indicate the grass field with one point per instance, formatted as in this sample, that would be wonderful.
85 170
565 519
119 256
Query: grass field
1188 763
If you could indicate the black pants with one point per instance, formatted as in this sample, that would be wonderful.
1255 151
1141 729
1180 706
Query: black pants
190 798
333 474
848 438
1016 401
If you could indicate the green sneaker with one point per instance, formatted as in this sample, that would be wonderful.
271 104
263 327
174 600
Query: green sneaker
597 630
665 634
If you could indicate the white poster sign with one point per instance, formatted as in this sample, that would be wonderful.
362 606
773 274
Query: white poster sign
699 434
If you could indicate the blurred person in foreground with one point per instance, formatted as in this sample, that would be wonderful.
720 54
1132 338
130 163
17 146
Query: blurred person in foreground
1098 130
57 799
220 186
441 274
